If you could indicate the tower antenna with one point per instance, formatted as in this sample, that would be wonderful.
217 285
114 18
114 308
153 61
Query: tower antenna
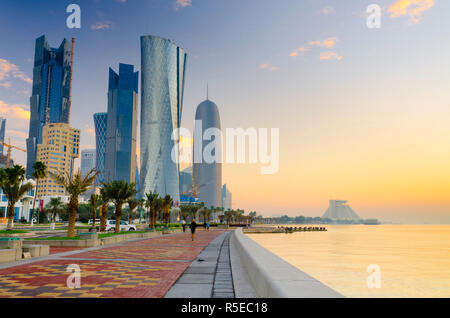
207 91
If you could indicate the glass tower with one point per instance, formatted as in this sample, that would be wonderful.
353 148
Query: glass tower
100 122
49 102
162 84
121 131
87 161
2 132
207 176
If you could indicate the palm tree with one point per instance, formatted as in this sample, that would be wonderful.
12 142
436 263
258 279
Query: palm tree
133 203
103 209
119 192
13 186
229 214
167 205
185 211
151 203
55 206
75 185
94 202
40 171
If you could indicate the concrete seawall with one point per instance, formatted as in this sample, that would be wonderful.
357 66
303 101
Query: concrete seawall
272 277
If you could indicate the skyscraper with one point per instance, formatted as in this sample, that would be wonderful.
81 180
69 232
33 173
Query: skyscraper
163 72
2 133
50 100
227 199
121 131
207 176
58 150
87 161
100 122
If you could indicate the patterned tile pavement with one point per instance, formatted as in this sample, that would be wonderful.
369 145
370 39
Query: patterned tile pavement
138 269
57 250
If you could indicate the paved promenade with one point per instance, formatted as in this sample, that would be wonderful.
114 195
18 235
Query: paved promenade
137 269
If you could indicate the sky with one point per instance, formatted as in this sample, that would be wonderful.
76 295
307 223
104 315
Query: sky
363 113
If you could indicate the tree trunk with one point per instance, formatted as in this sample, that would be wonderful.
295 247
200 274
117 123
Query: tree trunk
73 209
103 210
94 216
10 216
118 217
34 201
152 218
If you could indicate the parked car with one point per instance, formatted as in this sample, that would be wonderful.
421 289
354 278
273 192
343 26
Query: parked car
97 221
124 226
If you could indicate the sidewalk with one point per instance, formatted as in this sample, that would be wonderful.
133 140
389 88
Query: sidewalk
138 269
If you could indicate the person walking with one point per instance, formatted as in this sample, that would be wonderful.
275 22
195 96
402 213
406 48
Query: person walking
193 226
183 223
207 226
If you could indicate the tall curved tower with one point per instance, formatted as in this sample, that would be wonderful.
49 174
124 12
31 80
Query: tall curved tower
208 176
163 67
100 123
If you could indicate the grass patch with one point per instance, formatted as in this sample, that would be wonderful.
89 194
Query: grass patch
121 233
13 232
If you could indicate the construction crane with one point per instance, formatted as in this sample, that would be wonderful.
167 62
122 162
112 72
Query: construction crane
9 146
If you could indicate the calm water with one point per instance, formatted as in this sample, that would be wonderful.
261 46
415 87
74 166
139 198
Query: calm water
414 259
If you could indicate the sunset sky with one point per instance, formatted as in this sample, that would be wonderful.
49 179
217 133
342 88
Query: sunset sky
364 114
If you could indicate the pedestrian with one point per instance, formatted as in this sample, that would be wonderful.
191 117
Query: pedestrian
204 224
193 226
207 225
183 223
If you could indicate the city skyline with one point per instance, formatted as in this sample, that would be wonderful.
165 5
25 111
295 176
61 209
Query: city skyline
363 113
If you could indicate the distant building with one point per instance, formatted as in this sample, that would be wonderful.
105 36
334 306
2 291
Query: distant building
87 161
49 102
338 210
100 122
207 176
22 209
163 71
2 133
60 147
186 181
227 199
121 129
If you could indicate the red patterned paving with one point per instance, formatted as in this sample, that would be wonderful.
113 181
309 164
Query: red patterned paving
104 276
57 250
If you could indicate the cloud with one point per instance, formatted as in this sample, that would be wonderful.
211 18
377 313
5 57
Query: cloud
330 55
14 111
411 8
179 4
266 66
299 51
5 84
101 26
326 10
328 43
8 70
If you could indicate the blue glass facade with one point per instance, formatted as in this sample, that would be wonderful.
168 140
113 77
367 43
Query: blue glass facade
2 132
100 122
162 84
49 102
121 132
